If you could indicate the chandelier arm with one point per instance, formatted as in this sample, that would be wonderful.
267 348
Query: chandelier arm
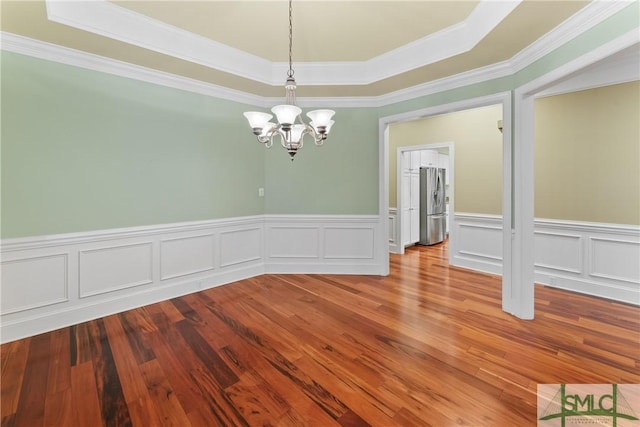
288 126
269 140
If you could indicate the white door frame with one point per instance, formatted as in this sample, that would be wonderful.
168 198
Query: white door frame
503 98
519 298
407 149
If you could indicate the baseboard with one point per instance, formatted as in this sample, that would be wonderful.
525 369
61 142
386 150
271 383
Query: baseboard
59 318
49 282
596 259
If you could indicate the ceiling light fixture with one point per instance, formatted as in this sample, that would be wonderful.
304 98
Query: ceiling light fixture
291 133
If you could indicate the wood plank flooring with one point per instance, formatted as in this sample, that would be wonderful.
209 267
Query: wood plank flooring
426 346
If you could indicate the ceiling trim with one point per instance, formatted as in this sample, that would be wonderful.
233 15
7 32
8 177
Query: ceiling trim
566 31
586 18
51 52
116 22
64 55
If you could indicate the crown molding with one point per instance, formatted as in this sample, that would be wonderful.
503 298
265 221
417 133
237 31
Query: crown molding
586 19
51 52
110 20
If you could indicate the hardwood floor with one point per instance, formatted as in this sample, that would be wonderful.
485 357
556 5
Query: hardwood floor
426 346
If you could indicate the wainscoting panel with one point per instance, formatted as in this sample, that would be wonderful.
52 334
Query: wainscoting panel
477 242
348 243
608 255
112 268
294 242
591 258
394 241
49 282
22 280
240 246
181 256
561 252
322 244
612 259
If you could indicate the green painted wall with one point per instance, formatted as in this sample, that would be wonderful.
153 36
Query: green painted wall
339 177
83 150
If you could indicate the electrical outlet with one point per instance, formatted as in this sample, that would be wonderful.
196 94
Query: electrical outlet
260 192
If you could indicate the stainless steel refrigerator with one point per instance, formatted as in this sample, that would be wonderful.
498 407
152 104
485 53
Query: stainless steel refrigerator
433 216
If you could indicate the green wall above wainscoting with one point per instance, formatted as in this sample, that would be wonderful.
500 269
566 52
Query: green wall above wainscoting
83 150
339 177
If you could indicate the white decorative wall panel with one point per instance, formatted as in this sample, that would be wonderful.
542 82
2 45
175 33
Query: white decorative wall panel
591 258
113 268
562 252
294 242
342 242
29 283
615 259
240 246
393 230
323 244
480 241
53 281
182 256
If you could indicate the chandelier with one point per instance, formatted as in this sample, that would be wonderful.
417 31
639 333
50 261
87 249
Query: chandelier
291 133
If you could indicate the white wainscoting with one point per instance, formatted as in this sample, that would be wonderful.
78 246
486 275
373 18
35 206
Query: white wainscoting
394 241
322 244
475 242
590 258
49 282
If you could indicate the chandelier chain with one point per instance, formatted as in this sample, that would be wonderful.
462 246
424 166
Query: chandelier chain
290 72
291 128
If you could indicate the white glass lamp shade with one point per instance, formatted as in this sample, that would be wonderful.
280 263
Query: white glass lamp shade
286 114
321 118
327 129
257 120
296 133
267 128
330 125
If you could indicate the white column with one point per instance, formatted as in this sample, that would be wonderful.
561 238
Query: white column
518 286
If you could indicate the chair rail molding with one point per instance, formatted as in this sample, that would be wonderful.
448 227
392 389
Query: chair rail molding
592 258
49 282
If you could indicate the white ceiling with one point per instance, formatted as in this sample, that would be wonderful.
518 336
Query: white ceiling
340 48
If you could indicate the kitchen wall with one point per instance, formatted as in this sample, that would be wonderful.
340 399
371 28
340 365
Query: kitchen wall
478 154
587 155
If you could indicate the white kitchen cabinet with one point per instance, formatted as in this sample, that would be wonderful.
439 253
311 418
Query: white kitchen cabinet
415 161
414 210
410 188
443 162
429 158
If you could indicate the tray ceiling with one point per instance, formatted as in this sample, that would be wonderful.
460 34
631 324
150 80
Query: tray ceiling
340 48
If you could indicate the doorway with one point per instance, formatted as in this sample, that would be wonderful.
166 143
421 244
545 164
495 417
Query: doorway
404 218
503 99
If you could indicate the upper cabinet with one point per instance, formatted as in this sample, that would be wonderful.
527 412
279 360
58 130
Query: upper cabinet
429 158
443 162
